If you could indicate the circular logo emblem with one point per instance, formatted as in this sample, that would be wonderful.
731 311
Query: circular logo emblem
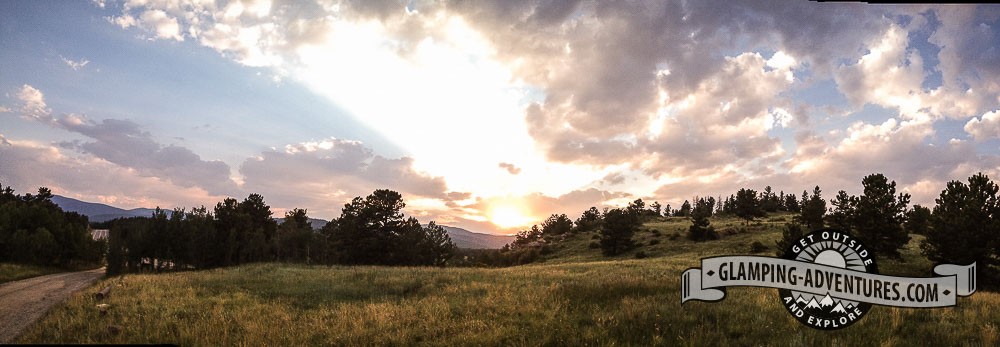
834 248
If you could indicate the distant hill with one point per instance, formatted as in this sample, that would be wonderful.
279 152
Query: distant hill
98 212
467 239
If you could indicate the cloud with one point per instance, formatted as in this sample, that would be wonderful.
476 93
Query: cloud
323 174
33 104
889 75
695 95
28 165
511 168
613 178
985 127
123 142
968 59
717 126
75 65
894 148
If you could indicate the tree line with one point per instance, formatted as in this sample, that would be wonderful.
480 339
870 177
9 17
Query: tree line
370 230
34 230
963 227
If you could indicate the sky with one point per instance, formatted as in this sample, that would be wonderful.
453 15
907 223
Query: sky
491 115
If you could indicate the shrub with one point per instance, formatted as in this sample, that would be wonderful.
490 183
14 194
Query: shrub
594 245
757 247
640 255
654 242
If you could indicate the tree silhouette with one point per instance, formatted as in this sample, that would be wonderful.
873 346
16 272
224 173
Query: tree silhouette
918 220
589 220
747 206
684 211
812 209
701 229
616 233
375 231
876 217
965 226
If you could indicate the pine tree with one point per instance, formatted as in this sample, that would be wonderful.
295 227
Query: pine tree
918 220
965 226
701 229
812 210
878 216
616 233
589 220
747 205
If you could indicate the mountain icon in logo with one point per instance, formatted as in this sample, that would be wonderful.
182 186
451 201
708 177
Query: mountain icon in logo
827 301
838 309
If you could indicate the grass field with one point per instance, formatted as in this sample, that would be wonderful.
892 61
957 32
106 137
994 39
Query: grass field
13 272
574 297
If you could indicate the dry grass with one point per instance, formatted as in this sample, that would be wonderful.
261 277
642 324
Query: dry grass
617 302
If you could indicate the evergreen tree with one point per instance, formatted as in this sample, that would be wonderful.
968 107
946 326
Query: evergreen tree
844 207
747 206
768 201
616 233
656 208
965 227
791 203
918 220
701 229
812 209
555 225
589 220
435 246
879 215
295 236
684 211
373 230
34 230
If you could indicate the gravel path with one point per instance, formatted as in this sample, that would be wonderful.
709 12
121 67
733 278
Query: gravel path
25 301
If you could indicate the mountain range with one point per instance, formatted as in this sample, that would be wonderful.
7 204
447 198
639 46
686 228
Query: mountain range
826 304
98 212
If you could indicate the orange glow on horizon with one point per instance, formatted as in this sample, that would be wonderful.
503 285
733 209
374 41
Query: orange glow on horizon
509 216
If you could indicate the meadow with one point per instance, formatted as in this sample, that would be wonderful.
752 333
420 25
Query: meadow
10 272
574 296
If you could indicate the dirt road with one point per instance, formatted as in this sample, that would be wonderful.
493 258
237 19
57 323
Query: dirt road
25 301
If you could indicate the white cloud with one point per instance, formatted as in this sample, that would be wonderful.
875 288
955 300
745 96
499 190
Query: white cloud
33 104
890 75
985 127
574 92
165 26
75 65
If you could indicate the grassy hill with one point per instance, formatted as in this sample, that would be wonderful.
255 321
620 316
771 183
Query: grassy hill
574 297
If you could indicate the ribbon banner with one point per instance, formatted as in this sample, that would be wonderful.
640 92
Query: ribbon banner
708 282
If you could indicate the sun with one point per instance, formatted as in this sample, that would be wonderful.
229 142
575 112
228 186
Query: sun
507 216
